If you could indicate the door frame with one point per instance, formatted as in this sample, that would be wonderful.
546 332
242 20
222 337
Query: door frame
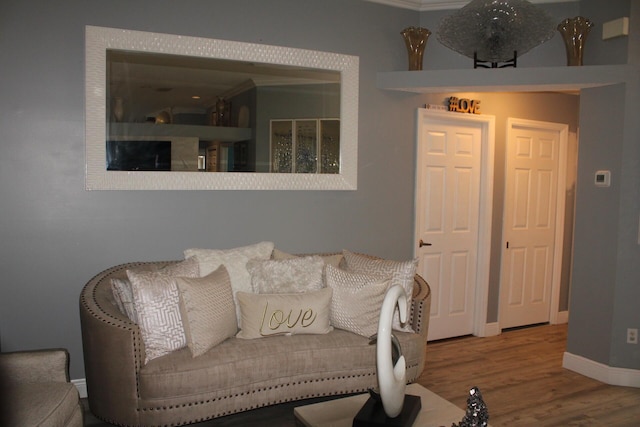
556 275
487 129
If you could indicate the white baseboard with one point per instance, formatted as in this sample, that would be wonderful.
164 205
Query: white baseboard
563 317
492 329
81 385
601 372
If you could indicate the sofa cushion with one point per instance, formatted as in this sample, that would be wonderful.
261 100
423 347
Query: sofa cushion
401 272
299 274
207 310
357 299
266 315
38 404
241 365
235 260
156 301
123 295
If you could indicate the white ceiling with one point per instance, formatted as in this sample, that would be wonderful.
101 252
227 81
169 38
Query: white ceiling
424 5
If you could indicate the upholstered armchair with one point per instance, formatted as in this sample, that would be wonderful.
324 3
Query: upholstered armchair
35 390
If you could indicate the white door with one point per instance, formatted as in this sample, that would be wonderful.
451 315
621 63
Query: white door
530 258
448 217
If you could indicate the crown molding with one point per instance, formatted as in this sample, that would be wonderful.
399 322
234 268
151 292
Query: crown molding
428 5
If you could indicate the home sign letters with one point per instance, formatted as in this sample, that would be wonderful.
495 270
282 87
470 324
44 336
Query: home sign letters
464 105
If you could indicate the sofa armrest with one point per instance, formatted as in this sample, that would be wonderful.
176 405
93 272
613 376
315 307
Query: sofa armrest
421 306
113 350
50 365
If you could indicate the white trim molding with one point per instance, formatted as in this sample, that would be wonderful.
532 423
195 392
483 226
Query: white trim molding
561 318
491 329
601 372
81 385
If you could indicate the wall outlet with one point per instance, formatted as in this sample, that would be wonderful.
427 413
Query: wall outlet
632 336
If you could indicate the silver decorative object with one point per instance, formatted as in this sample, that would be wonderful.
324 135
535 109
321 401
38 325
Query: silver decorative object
496 30
477 414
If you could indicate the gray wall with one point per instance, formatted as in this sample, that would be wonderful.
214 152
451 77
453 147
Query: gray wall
56 236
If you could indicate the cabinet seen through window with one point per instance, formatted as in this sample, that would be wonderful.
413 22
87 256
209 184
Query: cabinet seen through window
305 146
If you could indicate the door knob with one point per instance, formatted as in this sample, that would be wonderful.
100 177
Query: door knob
424 244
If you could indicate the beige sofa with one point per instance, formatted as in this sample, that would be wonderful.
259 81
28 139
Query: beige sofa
35 390
236 375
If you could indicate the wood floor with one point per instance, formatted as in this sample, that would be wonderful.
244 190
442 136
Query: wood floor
520 376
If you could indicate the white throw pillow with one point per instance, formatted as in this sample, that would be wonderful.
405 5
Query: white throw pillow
123 294
207 310
333 259
298 274
235 260
156 301
265 315
402 273
357 300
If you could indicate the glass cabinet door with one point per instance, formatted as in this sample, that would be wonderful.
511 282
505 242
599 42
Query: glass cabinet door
330 146
281 146
305 146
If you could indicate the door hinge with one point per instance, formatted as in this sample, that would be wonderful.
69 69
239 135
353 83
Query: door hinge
507 245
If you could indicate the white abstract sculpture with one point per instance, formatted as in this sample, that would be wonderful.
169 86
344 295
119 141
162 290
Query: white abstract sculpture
391 379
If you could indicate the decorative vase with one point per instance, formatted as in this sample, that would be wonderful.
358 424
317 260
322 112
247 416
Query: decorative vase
574 33
415 38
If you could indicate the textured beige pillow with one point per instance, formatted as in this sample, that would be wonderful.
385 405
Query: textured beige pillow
156 301
287 276
123 294
264 315
207 310
235 260
357 300
402 273
328 259
121 289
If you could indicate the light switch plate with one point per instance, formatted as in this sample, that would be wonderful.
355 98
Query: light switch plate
603 179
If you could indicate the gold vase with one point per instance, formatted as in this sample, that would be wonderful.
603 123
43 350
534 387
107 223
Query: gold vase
574 33
415 38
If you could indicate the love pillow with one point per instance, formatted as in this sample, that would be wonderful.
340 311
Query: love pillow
265 315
